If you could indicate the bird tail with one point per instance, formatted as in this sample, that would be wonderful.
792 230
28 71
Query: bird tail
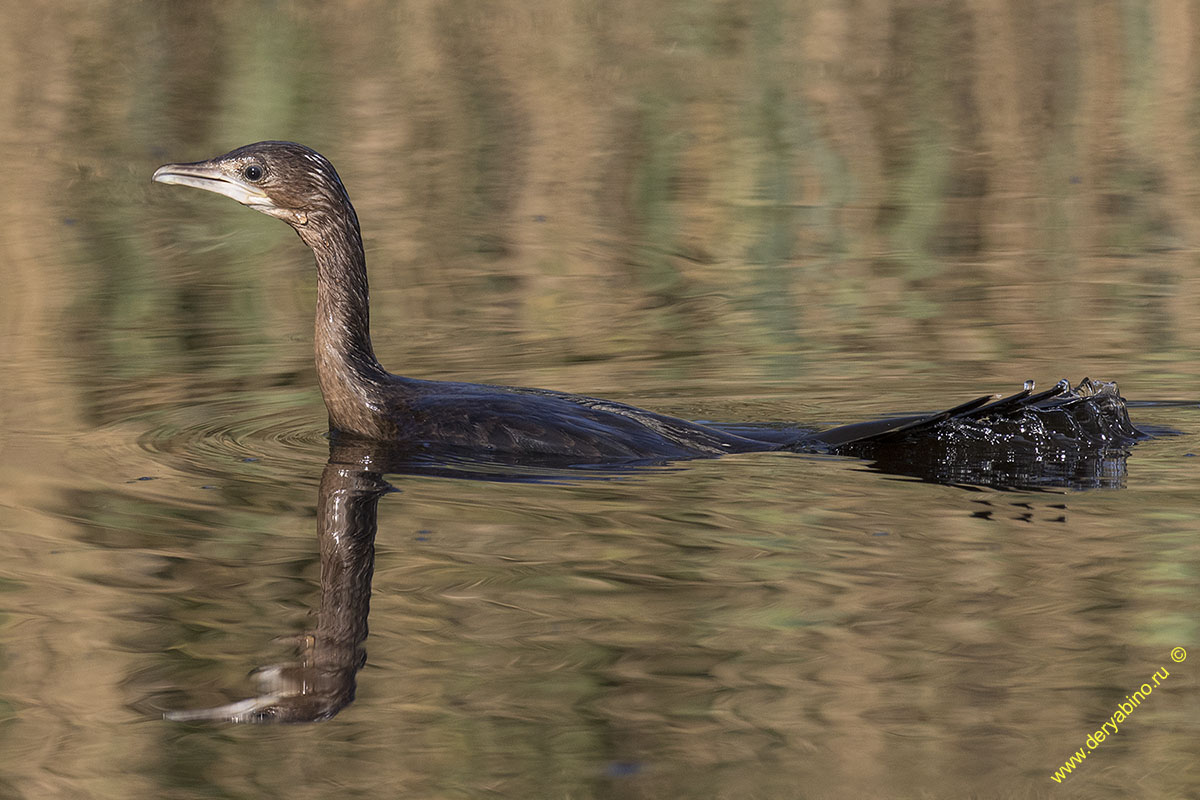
1089 415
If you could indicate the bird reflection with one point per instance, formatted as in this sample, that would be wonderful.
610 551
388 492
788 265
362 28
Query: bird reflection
1041 452
321 681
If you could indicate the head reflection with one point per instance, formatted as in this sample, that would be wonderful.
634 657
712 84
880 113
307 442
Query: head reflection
320 682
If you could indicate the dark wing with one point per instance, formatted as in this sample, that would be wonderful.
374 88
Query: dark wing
501 420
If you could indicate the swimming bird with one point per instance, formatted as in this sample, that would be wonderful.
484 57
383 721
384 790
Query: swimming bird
301 187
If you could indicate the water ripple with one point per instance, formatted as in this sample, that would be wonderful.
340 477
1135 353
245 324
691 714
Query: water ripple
212 436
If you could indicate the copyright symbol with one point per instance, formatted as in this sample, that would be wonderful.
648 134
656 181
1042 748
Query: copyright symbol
1178 654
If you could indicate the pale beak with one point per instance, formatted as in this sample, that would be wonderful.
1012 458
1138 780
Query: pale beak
203 175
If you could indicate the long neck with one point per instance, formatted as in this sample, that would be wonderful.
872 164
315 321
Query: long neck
350 376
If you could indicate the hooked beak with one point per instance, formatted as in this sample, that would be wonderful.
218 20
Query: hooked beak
210 177
203 175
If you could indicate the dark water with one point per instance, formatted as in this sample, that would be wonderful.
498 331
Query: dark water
775 212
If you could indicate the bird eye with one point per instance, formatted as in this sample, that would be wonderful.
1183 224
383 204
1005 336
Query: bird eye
253 173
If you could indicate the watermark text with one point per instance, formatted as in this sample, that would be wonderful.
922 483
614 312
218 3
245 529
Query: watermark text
1112 725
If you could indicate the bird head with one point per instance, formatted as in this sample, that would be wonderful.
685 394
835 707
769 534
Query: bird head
281 179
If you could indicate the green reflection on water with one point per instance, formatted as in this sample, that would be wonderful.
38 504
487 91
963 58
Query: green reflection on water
774 210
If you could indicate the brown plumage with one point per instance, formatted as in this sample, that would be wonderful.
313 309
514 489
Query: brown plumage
298 185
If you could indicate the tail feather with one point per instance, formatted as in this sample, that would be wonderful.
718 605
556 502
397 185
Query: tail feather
1063 437
1092 414
881 429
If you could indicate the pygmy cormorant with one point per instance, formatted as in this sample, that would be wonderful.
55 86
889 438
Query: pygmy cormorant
299 186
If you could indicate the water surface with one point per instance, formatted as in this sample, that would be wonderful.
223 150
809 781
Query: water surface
775 212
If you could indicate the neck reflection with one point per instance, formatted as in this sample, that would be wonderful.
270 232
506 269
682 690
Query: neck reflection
321 681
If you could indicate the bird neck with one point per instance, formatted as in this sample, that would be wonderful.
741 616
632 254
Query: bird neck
351 377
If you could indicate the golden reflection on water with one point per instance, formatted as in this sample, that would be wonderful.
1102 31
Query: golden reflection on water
781 211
